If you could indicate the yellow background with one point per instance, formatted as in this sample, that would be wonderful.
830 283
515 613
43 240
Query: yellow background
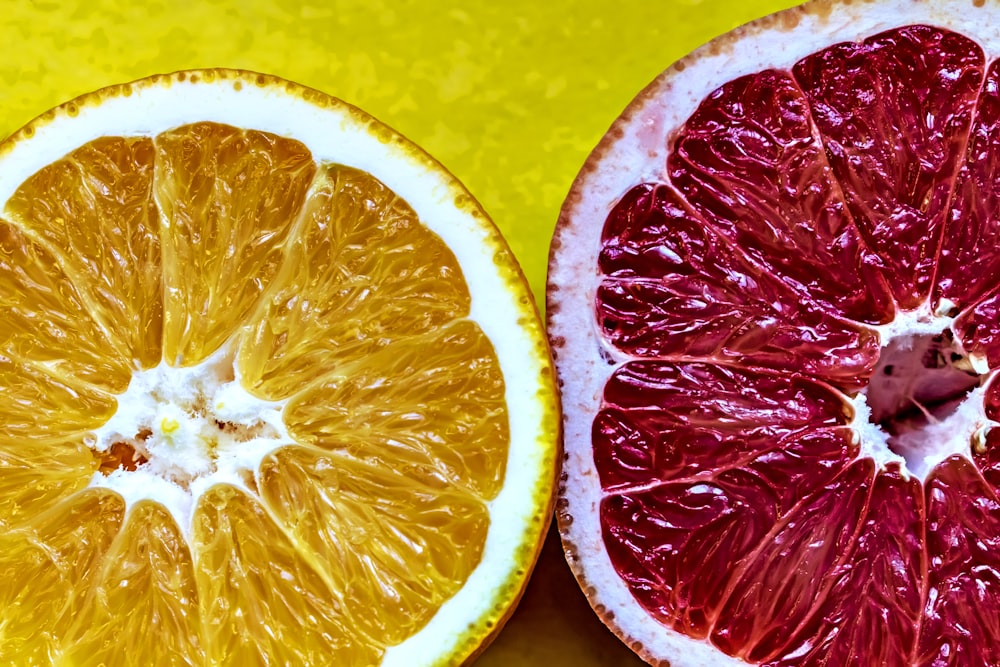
510 95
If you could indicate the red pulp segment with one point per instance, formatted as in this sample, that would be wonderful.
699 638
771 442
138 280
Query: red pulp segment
800 210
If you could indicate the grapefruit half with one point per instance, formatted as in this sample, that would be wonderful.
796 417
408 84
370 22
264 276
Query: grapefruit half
774 300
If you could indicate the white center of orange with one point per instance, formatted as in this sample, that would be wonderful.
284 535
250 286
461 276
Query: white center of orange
186 429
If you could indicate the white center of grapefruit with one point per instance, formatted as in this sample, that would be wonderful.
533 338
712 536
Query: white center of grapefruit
925 401
179 431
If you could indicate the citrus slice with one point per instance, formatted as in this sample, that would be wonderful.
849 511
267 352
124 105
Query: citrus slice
275 388
773 299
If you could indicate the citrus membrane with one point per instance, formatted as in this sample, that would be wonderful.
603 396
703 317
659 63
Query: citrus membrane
277 391
773 305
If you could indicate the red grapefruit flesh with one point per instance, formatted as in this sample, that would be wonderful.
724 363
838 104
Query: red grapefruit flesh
774 299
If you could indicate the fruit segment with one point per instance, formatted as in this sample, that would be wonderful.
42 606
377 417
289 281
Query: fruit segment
777 586
673 287
726 396
362 272
749 162
970 249
229 200
979 329
261 600
145 585
431 407
680 545
663 421
384 540
40 406
894 114
963 546
699 463
94 208
46 321
35 475
872 611
57 559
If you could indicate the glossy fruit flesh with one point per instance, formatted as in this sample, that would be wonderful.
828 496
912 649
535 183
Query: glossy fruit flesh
340 303
750 292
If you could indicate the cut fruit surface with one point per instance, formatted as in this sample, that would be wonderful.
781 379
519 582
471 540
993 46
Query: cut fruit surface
773 302
276 389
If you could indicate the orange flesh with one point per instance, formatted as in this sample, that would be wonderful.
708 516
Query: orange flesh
229 199
133 250
116 270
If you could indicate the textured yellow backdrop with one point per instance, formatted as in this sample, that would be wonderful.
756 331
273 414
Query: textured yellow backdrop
510 95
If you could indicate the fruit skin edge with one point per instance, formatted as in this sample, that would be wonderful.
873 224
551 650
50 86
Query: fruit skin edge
471 642
640 125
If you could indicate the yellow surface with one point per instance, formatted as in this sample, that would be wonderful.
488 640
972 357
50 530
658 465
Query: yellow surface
511 96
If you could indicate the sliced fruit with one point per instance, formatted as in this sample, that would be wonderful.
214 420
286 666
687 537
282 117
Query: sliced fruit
773 297
276 390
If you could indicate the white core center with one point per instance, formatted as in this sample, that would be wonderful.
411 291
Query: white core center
178 431
925 401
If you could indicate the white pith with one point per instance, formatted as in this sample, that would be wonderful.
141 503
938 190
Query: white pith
940 438
337 133
954 434
638 154
178 412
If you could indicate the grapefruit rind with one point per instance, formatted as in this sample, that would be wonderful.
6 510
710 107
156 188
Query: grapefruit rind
634 151
337 132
